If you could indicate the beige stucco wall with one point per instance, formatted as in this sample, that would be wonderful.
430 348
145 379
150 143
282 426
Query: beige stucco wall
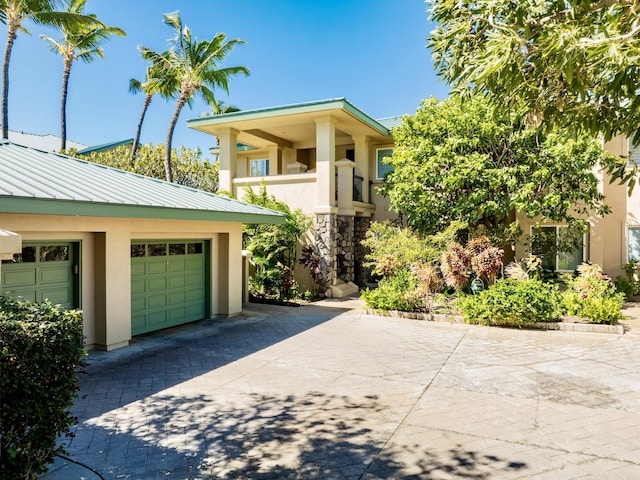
105 264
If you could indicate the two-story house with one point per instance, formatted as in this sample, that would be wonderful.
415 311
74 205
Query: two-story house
324 157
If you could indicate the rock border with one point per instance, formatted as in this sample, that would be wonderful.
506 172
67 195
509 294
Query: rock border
568 325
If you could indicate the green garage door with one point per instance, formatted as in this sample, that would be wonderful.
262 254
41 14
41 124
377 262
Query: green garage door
168 284
43 271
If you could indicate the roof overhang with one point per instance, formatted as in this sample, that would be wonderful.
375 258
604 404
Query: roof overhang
292 125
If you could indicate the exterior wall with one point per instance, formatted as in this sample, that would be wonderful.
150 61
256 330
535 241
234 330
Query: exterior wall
105 264
297 191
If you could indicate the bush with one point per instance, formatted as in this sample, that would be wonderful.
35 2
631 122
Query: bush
511 303
594 298
40 350
399 292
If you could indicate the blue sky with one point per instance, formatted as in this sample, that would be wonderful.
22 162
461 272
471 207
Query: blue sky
370 51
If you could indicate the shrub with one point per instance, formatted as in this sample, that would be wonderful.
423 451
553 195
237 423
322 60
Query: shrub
512 302
40 350
478 257
399 292
593 297
626 287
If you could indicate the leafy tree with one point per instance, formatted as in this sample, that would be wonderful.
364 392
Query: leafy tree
573 63
79 42
460 160
190 169
195 67
156 82
274 246
14 13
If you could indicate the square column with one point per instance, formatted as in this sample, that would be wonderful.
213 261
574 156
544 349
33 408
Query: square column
228 158
345 186
361 144
325 164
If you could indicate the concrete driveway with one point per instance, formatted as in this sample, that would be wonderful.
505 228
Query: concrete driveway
325 391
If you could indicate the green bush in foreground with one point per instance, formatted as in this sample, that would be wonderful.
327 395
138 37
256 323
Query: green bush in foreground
594 298
399 292
511 303
40 350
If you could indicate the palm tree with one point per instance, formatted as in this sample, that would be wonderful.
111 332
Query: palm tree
79 42
194 65
154 83
13 13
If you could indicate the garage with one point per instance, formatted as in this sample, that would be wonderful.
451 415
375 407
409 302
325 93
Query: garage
44 271
168 283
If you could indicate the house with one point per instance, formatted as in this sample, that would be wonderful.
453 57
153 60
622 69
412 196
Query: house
136 254
324 157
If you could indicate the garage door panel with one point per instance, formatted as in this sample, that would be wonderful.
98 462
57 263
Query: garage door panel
157 319
138 269
195 296
195 311
177 282
156 284
177 314
157 301
156 267
175 298
57 274
18 278
177 265
194 279
138 285
26 293
62 296
138 304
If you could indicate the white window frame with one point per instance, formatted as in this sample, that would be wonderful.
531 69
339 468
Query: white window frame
585 239
264 169
628 242
379 160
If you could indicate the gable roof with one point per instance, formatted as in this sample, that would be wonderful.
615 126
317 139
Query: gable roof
105 146
37 182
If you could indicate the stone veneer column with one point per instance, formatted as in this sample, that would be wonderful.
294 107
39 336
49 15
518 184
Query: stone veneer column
345 260
362 273
326 227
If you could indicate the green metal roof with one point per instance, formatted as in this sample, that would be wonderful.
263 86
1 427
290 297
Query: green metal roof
105 146
37 182
306 107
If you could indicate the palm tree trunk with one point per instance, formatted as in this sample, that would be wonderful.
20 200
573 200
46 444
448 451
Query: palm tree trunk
63 103
136 139
182 100
12 32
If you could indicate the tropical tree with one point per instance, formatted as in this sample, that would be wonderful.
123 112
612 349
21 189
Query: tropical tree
460 160
196 67
154 83
14 13
573 63
79 42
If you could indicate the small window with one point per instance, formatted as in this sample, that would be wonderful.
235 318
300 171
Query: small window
546 243
137 250
382 169
259 168
195 248
157 249
54 253
177 249
634 153
28 255
633 243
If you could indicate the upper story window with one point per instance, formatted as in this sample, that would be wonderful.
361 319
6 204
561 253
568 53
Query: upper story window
382 168
259 167
634 153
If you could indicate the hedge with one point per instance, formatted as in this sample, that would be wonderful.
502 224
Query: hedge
41 348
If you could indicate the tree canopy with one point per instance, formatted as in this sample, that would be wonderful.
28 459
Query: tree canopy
572 62
459 160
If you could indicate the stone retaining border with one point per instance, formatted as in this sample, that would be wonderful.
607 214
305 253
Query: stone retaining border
566 326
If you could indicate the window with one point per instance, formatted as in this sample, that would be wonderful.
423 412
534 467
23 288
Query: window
633 243
634 153
382 168
546 243
259 167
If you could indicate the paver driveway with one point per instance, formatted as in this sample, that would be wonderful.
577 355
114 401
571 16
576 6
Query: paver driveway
321 392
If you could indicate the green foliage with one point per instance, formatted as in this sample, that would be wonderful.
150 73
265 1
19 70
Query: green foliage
391 248
625 286
460 159
594 298
398 292
40 350
512 302
478 257
569 63
189 168
273 246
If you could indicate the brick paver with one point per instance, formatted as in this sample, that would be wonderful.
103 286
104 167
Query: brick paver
324 392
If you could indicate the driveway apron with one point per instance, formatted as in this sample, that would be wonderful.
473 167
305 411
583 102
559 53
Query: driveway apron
326 391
